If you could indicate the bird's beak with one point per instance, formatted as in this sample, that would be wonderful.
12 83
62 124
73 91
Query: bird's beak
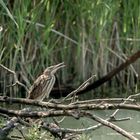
58 66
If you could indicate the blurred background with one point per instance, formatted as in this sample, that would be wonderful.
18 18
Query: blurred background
90 37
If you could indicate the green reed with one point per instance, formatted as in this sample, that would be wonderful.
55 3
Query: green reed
91 37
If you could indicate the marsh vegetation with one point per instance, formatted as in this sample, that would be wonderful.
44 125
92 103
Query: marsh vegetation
90 37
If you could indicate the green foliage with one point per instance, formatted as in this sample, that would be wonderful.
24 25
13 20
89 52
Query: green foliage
2 122
85 137
91 37
35 134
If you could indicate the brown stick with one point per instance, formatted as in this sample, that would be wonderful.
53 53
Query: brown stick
86 105
111 74
110 125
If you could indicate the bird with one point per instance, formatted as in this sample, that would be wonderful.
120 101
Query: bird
43 85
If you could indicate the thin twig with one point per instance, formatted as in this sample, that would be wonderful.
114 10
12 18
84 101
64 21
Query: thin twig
15 78
104 100
112 116
80 88
110 125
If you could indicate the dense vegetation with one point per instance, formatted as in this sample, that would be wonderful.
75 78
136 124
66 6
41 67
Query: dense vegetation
91 37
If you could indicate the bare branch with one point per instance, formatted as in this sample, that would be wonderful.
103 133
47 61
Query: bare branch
118 100
111 125
80 88
15 77
86 106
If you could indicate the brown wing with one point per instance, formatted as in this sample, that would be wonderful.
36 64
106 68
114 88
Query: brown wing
37 88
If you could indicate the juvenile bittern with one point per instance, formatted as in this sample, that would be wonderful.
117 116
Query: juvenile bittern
44 83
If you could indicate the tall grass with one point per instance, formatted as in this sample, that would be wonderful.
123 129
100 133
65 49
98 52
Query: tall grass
91 37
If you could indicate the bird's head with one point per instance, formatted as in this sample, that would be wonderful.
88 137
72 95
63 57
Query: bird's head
52 69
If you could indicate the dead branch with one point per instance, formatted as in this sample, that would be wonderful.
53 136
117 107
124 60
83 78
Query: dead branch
111 125
74 110
111 74
56 129
112 116
80 88
130 97
66 109
112 100
15 78
86 106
